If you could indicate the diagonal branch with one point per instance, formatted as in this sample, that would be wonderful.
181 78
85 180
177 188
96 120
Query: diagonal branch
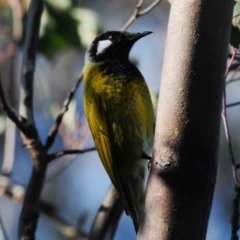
54 129
137 13
10 112
228 138
235 166
55 155
225 122
108 215
149 8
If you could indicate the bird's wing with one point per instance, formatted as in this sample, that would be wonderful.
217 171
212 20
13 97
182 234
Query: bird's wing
100 124
114 133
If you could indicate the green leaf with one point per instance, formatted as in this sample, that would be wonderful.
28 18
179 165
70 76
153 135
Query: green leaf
59 30
235 31
235 37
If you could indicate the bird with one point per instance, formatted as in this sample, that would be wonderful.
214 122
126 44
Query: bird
120 115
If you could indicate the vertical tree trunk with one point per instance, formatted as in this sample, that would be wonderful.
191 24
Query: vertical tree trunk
183 172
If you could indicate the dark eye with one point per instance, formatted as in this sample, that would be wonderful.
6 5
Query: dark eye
112 38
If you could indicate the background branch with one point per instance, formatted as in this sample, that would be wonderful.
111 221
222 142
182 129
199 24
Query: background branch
137 13
29 59
235 166
108 215
10 112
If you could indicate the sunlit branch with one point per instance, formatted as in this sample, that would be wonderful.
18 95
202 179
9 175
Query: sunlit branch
137 13
10 112
225 122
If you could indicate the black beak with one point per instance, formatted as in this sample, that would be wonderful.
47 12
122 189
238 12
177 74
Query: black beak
133 37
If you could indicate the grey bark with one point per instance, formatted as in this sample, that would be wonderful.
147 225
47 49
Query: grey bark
183 171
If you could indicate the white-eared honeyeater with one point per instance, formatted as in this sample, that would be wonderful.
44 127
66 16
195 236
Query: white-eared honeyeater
120 115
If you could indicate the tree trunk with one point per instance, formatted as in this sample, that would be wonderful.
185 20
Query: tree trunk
183 171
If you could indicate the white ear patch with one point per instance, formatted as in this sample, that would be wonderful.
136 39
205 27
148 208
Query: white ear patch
102 45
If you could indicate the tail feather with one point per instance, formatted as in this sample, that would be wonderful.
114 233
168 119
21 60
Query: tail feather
133 195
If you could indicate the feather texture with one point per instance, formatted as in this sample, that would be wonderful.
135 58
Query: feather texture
120 115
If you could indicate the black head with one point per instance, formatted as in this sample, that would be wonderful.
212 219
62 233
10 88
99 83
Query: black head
113 44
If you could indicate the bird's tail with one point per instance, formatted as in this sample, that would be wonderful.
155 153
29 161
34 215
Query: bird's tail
133 194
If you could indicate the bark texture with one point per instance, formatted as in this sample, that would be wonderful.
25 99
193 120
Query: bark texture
183 171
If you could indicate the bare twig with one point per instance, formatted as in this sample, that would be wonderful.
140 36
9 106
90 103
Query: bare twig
29 214
232 104
69 231
70 142
53 156
137 13
235 166
149 8
108 215
225 122
228 138
54 130
29 58
10 112
232 79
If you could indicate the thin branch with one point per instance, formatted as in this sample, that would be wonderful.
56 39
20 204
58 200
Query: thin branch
70 142
231 80
232 104
149 8
10 112
53 156
54 129
29 59
108 215
69 231
228 138
225 122
235 211
137 13
235 68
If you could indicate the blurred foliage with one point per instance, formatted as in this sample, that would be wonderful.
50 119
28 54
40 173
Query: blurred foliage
235 31
5 14
64 26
